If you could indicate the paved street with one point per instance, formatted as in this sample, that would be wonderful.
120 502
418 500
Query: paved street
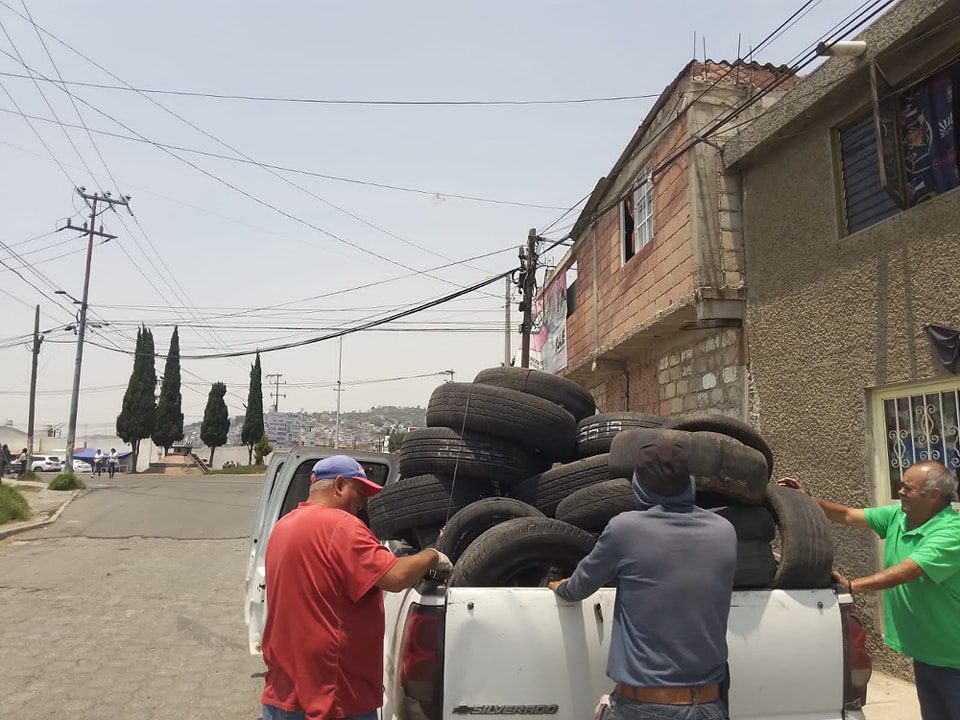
130 607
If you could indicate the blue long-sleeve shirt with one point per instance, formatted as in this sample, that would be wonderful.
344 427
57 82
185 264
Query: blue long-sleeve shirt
673 564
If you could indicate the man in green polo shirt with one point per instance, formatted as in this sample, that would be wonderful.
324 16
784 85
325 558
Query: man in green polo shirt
920 579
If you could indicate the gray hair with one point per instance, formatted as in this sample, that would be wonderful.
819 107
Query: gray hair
938 477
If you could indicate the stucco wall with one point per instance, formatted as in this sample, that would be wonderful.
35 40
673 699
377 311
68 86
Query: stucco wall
829 317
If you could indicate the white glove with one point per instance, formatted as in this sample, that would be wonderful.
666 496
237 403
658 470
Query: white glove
443 563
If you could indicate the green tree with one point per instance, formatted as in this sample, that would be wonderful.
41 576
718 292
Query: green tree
262 449
252 430
395 440
216 419
168 427
138 412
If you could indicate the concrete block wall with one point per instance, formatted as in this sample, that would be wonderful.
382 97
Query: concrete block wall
706 375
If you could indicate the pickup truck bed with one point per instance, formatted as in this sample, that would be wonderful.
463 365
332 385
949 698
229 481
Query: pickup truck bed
522 651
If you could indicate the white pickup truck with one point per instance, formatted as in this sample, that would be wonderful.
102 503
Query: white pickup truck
452 651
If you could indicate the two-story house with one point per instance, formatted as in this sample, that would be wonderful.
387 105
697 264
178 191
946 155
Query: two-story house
655 317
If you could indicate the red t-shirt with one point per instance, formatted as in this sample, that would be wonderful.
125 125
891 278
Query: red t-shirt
323 639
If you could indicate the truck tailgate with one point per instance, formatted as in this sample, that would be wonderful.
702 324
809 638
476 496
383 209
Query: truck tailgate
522 651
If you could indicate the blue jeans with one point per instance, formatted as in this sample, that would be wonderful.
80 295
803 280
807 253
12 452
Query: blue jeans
939 691
622 708
274 713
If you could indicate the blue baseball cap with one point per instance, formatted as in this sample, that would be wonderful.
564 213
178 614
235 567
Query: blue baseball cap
330 468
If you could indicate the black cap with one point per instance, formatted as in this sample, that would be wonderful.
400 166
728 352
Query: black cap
661 464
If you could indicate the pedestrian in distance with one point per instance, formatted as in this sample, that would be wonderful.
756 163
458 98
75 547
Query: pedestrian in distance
112 461
98 463
5 460
673 564
920 579
23 460
325 573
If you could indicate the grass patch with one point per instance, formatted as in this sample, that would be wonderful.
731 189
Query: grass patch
30 476
66 481
13 506
241 470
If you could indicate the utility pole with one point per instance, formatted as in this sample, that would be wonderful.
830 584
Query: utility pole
276 395
339 390
37 339
92 201
506 325
529 276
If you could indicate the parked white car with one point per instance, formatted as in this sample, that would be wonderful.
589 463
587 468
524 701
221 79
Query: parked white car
45 463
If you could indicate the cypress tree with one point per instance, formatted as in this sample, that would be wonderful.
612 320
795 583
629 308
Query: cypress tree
137 415
216 419
253 421
168 428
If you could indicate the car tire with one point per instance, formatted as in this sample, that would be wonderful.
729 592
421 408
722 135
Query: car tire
806 542
718 463
421 501
475 519
546 490
592 507
726 426
595 434
756 565
514 416
751 522
565 393
525 552
443 451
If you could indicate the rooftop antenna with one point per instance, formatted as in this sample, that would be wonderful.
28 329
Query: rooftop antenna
694 44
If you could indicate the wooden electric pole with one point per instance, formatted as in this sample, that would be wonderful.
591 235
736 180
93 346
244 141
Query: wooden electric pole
529 286
37 339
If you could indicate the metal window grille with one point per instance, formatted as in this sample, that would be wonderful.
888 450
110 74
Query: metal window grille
921 426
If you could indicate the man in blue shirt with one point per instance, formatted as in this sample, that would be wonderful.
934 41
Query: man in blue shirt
673 564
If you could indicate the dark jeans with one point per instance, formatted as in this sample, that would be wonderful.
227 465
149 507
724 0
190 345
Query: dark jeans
939 691
274 713
622 708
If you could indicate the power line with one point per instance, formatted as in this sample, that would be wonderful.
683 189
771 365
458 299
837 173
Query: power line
346 331
301 171
347 102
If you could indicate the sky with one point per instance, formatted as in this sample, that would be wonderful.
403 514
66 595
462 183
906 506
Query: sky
212 242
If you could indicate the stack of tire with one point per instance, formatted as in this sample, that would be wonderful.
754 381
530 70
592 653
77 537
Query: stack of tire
482 439
515 477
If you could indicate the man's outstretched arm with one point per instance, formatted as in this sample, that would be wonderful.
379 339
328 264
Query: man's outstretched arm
835 512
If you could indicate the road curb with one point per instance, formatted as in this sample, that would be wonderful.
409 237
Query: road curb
41 523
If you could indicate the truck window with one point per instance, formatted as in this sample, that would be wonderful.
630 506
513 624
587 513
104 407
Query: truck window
300 482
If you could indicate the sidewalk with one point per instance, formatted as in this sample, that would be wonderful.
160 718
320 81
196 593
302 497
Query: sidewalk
890 698
45 506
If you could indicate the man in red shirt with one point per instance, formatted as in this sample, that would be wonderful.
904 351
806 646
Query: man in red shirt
325 570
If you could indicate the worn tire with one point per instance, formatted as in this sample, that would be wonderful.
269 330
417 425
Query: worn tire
592 507
751 523
475 519
719 463
421 501
806 543
726 426
565 393
546 490
595 434
444 451
756 565
515 416
519 553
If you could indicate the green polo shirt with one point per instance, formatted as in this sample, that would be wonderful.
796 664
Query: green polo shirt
922 618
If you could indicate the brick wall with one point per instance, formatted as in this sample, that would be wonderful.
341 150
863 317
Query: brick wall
705 375
613 298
